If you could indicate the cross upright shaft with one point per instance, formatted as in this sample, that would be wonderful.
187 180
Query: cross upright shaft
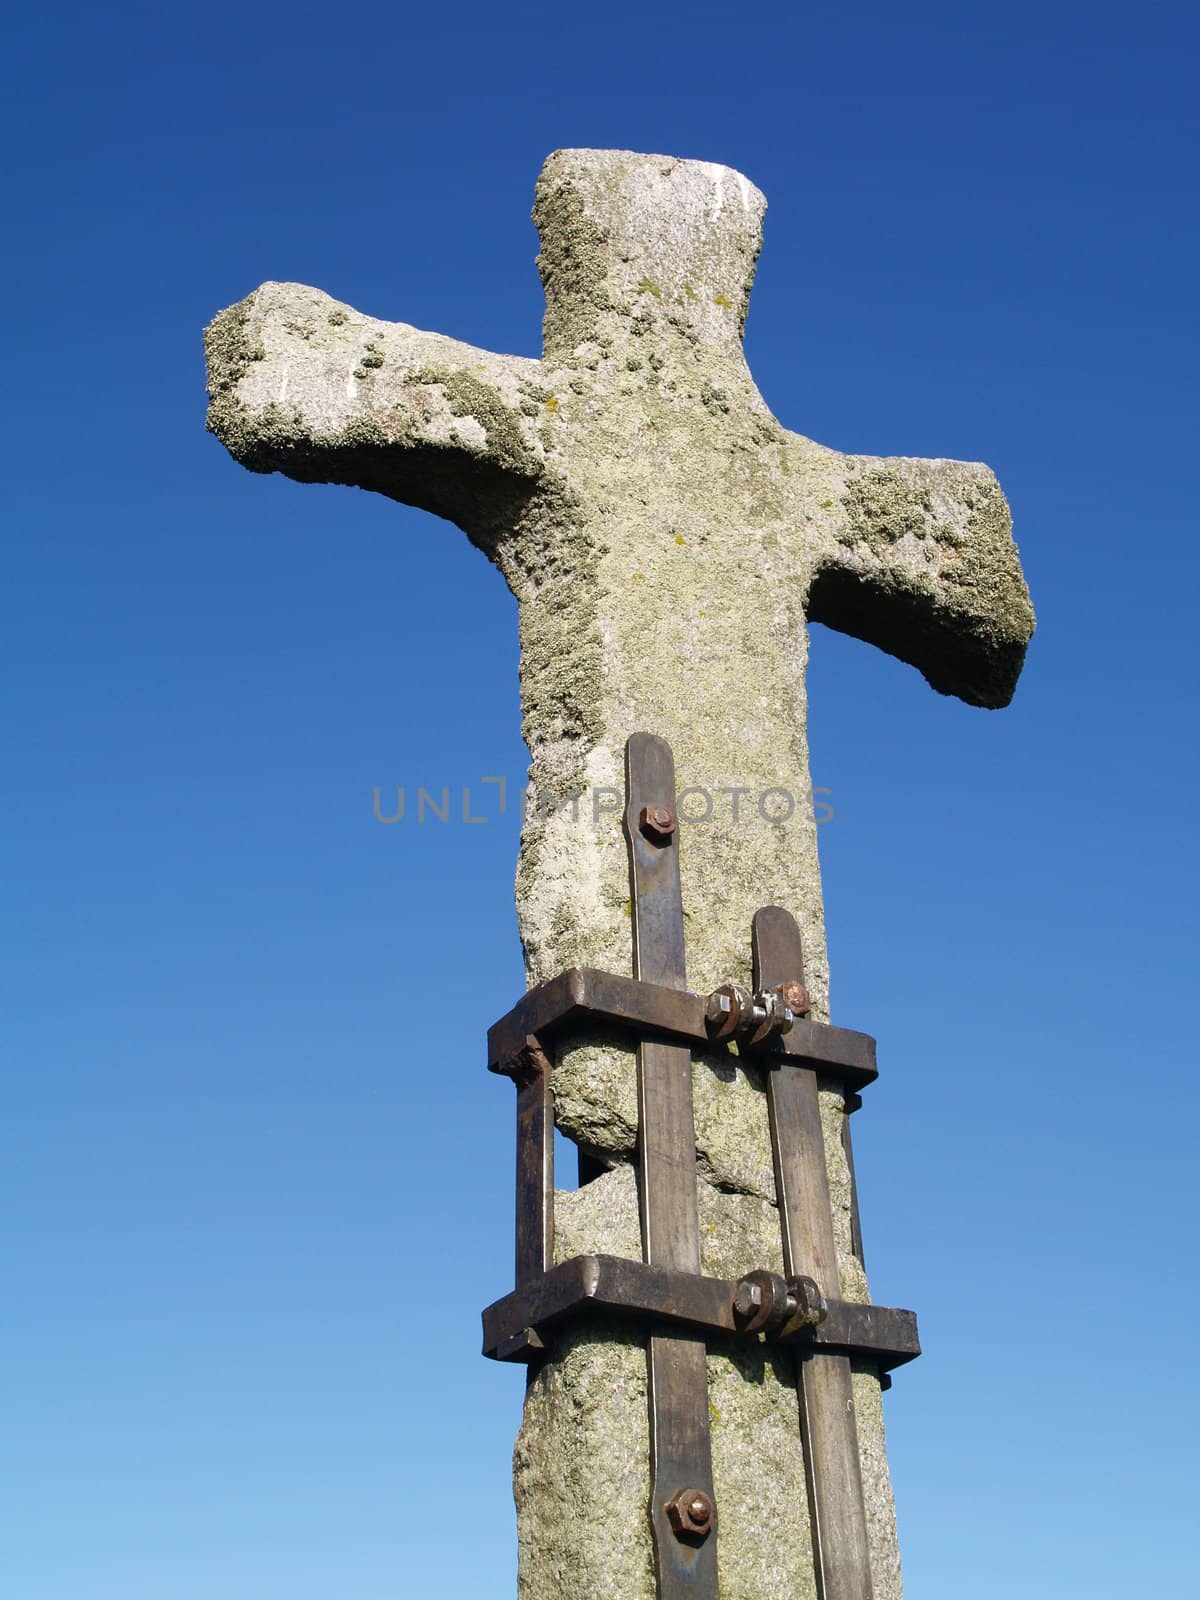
667 539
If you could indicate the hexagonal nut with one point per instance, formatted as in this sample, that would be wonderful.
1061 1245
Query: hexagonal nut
761 1302
725 1010
657 823
811 1305
691 1511
748 1298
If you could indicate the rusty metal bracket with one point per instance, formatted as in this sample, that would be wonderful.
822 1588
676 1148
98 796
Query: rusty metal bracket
683 1514
529 1068
652 1010
619 1287
832 1461
681 1309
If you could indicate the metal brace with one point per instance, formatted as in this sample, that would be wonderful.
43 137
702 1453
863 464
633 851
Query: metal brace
735 1013
523 1324
683 1513
680 1306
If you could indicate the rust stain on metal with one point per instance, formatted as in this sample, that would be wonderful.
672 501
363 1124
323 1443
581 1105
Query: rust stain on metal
796 997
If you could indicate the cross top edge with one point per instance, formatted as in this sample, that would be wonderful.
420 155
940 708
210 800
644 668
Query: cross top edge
632 243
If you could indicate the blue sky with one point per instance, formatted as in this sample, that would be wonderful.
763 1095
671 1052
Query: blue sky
257 1182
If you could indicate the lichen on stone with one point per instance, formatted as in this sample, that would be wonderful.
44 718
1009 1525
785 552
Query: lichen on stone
371 360
571 263
469 396
882 506
230 345
714 399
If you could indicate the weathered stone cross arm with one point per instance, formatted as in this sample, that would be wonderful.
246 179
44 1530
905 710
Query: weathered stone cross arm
306 386
917 557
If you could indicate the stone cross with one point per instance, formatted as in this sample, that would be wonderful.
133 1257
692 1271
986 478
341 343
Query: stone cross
667 539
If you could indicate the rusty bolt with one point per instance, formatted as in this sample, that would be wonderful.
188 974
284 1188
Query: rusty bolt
718 1007
769 1016
796 997
748 1298
657 823
762 1302
726 1009
691 1511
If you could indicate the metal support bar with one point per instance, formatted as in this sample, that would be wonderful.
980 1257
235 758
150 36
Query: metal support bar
832 1463
613 1284
682 1508
530 1071
853 1104
586 993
